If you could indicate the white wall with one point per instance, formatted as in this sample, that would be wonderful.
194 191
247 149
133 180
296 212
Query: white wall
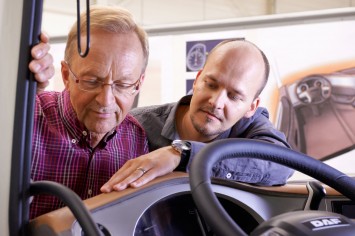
62 13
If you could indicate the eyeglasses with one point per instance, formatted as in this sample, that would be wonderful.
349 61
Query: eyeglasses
95 86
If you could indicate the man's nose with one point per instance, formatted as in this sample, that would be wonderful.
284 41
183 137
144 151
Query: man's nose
217 99
106 96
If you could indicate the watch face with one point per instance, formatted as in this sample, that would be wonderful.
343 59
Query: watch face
181 145
196 57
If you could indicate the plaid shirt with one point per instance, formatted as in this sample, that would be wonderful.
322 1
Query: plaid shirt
61 151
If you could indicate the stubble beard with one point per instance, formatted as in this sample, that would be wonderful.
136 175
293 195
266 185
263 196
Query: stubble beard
203 130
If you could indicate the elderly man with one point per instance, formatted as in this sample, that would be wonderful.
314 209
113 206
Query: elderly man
83 135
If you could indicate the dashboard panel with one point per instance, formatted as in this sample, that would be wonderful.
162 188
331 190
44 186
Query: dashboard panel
165 207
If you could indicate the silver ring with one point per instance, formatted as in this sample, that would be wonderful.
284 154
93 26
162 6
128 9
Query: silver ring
141 169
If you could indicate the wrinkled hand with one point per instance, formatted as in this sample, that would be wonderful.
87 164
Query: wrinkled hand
141 170
42 63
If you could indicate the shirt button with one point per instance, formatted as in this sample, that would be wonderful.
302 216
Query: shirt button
229 175
89 192
73 140
85 133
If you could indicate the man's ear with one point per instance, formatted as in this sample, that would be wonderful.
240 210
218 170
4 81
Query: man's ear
197 75
65 74
253 107
141 80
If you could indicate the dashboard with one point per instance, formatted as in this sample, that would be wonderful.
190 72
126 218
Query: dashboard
165 207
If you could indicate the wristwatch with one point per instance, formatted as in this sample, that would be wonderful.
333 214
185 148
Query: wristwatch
184 149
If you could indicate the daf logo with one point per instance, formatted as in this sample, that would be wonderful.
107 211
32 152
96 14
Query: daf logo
325 223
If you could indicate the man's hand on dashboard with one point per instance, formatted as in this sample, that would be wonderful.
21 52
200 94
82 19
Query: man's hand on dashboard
141 170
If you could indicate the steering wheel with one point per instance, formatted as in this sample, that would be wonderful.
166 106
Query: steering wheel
208 204
313 90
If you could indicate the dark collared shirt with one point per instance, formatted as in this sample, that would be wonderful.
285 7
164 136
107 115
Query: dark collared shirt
61 150
159 124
